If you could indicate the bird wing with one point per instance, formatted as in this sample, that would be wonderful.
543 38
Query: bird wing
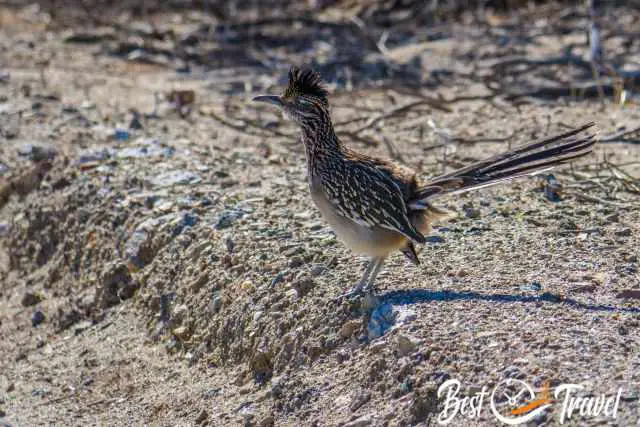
370 197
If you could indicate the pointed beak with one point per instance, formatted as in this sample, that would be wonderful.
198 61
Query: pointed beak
269 99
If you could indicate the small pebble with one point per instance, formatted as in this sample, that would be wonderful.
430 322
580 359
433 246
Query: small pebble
531 287
349 327
363 421
37 318
30 298
120 134
406 345
202 417
434 239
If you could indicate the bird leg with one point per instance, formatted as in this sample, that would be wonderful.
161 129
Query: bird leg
366 282
378 266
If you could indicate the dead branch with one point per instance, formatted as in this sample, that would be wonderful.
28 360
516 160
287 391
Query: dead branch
373 120
393 151
244 128
620 137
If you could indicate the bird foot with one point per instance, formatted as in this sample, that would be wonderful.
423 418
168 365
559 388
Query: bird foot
355 293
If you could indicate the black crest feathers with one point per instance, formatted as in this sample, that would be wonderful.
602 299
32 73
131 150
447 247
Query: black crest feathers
305 81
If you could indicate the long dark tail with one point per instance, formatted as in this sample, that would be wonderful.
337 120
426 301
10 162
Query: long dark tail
528 159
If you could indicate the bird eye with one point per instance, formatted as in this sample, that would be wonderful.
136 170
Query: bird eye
304 102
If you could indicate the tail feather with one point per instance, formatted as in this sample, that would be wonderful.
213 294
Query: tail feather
526 160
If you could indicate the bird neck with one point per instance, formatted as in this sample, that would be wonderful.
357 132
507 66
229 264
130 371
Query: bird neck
319 136
321 145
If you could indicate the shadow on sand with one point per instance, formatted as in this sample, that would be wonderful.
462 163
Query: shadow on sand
416 296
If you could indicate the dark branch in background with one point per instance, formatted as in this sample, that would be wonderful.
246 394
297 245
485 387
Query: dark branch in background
621 136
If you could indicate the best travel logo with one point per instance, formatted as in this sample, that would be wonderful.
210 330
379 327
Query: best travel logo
514 402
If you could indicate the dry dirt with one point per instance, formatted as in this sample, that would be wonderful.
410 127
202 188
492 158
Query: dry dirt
178 273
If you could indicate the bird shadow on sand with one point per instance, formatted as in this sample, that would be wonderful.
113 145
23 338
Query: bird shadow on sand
417 296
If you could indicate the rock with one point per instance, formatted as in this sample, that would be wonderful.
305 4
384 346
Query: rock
295 262
245 389
462 273
531 287
406 345
146 148
378 346
598 278
227 217
211 393
179 313
37 318
361 397
138 249
623 232
135 123
401 390
292 251
583 288
267 421
82 326
262 366
200 249
176 177
629 294
513 372
182 332
342 356
178 222
30 298
363 421
216 302
291 293
567 224
230 245
277 385
37 152
303 285
470 211
404 315
116 284
317 270
349 328
277 279
40 392
199 282
552 188
94 156
615 217
202 417
434 239
423 404
120 134
66 319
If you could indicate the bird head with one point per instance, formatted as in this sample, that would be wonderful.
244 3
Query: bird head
304 101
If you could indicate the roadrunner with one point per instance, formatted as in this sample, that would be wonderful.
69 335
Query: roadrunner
376 206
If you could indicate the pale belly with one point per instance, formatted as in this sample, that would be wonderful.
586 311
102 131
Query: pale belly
370 241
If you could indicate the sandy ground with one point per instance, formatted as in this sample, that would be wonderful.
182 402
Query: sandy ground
177 273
